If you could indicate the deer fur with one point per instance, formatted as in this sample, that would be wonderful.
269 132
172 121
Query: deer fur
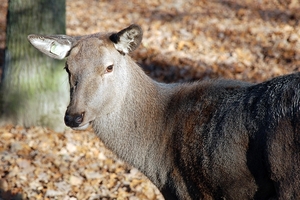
218 139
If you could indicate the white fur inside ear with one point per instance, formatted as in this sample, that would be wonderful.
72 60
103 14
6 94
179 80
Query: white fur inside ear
51 46
128 39
125 42
59 49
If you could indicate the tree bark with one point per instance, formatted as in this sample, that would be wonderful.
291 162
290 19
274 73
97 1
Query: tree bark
34 88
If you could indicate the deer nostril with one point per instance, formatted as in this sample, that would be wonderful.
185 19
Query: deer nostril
73 120
78 119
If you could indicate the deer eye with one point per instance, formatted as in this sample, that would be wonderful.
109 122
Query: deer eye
109 68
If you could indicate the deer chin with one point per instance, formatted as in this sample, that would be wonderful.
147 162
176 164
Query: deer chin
81 127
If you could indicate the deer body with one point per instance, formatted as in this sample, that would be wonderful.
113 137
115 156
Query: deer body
204 140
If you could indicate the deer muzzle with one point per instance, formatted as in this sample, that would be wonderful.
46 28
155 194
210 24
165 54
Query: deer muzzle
74 120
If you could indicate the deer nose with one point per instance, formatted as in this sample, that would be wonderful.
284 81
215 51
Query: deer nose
73 120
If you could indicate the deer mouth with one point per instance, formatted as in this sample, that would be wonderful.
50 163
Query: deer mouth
82 127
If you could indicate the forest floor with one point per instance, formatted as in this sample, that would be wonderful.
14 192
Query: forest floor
183 41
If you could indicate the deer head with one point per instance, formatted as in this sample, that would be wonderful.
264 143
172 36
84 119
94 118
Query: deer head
95 64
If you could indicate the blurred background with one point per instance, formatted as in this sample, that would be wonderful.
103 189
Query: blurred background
184 40
247 40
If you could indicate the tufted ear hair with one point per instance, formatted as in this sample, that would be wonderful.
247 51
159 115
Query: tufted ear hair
55 46
128 39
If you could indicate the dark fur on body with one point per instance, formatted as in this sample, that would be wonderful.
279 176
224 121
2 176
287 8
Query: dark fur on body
236 140
205 140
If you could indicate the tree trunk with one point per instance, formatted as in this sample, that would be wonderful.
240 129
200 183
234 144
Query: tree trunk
34 88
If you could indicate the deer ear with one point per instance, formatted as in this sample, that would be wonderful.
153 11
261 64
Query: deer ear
128 39
55 46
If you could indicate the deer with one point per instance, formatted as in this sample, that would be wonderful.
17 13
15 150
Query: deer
207 139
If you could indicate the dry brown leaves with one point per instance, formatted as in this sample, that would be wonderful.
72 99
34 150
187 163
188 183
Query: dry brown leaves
38 163
186 40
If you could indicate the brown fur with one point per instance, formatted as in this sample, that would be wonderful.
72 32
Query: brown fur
205 140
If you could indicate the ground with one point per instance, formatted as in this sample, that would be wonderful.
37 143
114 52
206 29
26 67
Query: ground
183 41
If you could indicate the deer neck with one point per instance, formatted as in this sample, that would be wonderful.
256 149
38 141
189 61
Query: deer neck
136 130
